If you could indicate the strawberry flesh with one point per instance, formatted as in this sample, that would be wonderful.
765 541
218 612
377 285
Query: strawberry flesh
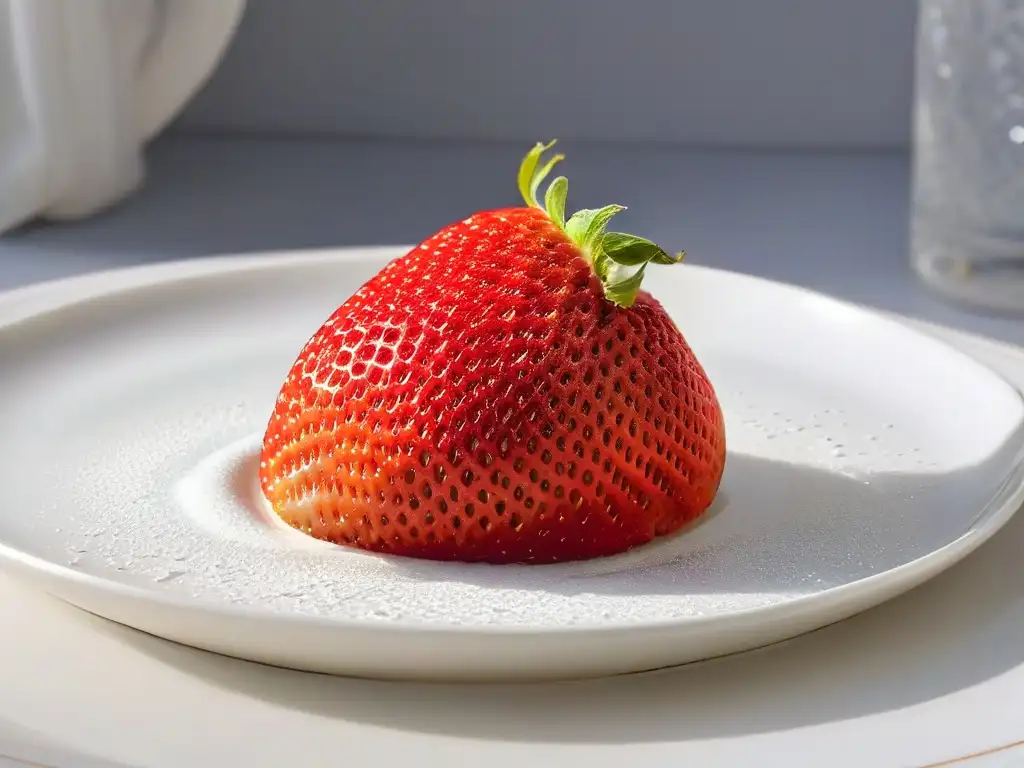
480 399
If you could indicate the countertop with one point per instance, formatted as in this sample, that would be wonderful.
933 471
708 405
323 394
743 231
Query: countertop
831 221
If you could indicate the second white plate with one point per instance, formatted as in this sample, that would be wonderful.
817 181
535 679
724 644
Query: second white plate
864 459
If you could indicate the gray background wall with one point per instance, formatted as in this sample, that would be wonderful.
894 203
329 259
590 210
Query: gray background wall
706 72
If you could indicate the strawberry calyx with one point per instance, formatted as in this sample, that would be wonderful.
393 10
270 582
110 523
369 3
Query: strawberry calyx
618 259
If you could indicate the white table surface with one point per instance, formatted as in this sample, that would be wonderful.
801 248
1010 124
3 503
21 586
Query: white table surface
832 222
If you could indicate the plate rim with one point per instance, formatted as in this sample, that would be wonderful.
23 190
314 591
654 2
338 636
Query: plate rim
47 297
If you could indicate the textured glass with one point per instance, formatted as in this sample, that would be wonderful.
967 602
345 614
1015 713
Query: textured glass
968 216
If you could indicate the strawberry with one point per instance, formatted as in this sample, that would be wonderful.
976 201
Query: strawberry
504 392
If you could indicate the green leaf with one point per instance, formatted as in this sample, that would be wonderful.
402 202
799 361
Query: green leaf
623 292
630 250
669 259
602 266
599 223
540 175
577 225
618 259
554 200
586 227
528 169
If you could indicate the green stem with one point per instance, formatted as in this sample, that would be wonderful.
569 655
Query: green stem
619 260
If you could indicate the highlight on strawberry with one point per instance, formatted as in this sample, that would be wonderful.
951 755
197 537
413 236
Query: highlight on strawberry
505 393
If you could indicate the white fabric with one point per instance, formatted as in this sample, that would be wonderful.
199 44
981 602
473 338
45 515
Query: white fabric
84 84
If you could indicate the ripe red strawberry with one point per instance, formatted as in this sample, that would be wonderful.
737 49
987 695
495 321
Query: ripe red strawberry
501 393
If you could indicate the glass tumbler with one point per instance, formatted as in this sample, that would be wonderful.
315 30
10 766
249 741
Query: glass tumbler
967 227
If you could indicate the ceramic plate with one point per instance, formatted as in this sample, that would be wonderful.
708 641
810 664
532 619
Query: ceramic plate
864 458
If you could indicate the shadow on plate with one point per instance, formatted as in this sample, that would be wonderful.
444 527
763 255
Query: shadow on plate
774 528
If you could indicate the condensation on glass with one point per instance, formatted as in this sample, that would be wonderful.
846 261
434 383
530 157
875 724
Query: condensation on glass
967 228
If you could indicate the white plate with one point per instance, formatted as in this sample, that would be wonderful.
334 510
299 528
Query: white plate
864 459
930 676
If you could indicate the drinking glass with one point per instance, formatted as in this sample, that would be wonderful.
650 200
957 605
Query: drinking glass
967 227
